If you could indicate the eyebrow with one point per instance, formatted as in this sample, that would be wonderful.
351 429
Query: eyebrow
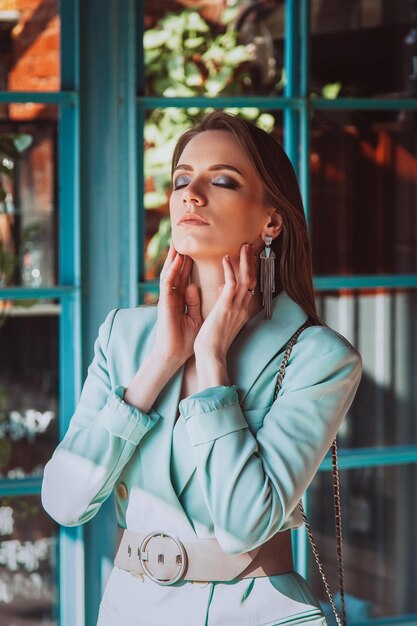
218 166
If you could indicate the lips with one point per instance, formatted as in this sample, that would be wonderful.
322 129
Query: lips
192 218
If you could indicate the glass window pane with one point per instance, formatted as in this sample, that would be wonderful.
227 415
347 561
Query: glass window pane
28 557
363 192
162 129
379 539
28 386
29 46
214 48
381 324
28 201
382 45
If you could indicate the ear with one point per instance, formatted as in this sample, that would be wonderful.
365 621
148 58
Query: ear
273 224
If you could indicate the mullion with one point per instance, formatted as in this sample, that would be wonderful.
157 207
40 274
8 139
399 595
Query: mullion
220 102
70 609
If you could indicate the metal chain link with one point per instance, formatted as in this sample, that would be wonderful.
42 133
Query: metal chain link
341 620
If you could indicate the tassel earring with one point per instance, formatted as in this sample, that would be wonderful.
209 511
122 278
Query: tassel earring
267 277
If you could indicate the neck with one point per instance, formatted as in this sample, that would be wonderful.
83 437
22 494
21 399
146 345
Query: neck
208 276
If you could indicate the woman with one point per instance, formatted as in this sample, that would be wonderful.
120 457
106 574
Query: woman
208 499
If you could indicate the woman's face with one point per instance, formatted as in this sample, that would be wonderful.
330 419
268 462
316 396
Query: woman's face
215 179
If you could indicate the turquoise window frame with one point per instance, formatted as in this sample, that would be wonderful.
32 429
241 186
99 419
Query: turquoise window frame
69 609
296 106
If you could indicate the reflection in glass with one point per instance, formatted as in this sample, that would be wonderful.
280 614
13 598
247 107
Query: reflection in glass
212 49
28 239
28 542
28 388
379 521
381 324
363 192
29 46
162 130
380 37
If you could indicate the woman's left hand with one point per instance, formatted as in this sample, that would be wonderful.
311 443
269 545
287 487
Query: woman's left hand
231 310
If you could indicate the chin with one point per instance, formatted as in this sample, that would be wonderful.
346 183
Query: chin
190 248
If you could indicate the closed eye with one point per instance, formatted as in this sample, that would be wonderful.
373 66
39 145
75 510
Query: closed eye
225 181
219 181
178 184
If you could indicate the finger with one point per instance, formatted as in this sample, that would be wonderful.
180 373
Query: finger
169 258
171 277
192 300
245 273
230 279
185 273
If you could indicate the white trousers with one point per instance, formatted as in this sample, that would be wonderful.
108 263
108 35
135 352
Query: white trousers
129 600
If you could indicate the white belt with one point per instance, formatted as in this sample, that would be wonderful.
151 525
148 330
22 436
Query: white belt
165 558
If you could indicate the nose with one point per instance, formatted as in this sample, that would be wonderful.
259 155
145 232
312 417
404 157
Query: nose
192 193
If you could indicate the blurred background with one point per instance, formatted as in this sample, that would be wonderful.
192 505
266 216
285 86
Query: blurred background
92 98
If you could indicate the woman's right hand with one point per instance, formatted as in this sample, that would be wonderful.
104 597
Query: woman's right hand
177 330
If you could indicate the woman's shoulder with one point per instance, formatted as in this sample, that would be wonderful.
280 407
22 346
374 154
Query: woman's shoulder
323 340
127 320
142 313
323 354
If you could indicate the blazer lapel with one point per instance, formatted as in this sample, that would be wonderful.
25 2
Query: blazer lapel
261 340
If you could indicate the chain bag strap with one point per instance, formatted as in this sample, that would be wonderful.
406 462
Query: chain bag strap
341 620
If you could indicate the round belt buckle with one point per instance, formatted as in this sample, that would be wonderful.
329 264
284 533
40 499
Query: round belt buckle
181 558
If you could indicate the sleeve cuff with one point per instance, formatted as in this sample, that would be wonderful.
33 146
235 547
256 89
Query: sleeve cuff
212 413
124 420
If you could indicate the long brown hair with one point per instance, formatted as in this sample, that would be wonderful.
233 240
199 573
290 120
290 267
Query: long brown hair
292 247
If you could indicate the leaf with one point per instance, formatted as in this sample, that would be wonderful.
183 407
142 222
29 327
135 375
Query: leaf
192 74
194 42
174 42
22 142
179 90
237 56
213 53
331 90
154 39
249 113
152 55
213 87
266 121
196 22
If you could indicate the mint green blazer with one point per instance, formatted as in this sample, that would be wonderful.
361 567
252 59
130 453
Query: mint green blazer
236 462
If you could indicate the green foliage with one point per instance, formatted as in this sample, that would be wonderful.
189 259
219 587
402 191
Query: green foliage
184 56
12 145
